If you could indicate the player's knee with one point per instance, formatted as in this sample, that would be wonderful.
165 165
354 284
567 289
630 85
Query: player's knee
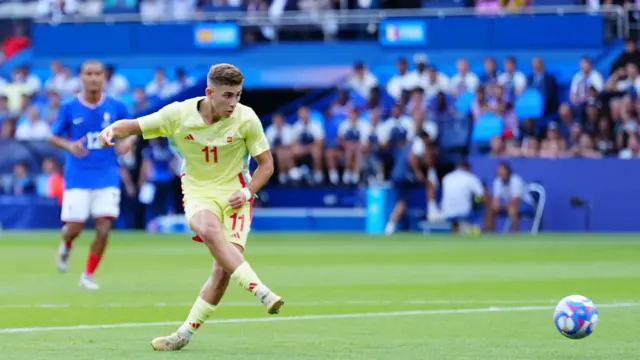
211 234
71 230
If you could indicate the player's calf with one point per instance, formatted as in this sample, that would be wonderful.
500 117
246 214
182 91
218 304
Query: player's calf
70 231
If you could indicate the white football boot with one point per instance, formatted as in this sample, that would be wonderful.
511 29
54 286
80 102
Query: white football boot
172 342
86 282
62 258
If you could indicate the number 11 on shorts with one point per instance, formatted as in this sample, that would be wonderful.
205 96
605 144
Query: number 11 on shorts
235 219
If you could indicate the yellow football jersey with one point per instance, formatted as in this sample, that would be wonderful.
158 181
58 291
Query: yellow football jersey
215 157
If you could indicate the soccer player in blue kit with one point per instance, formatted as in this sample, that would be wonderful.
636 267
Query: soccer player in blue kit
91 173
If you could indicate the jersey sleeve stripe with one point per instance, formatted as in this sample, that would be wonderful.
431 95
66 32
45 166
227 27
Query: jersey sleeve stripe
242 181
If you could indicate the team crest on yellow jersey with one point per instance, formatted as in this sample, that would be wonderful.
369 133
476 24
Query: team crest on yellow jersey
229 139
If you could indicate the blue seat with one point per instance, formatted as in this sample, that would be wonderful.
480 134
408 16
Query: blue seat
487 127
529 104
535 211
464 101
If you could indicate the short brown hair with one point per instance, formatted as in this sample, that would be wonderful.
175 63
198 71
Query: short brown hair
224 75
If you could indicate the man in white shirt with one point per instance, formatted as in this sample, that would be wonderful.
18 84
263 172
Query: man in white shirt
462 190
308 144
403 81
159 86
512 80
280 137
33 129
510 196
582 81
464 80
362 80
115 85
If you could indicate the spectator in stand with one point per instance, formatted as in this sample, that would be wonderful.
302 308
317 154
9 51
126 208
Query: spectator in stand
632 151
182 82
140 101
464 80
56 9
280 136
553 145
530 147
5 113
20 182
582 81
418 77
361 80
51 108
545 83
308 144
491 72
62 81
35 128
401 82
19 87
566 120
417 101
153 11
604 137
585 148
159 87
47 183
351 134
341 106
115 85
512 80
435 82
372 151
22 76
480 104
631 55
158 163
624 80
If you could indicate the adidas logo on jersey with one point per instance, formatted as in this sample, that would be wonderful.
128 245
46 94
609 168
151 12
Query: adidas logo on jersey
189 137
236 236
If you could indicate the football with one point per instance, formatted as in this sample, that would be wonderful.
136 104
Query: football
576 317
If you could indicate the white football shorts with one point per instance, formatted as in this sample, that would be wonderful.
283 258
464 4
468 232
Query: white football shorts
79 204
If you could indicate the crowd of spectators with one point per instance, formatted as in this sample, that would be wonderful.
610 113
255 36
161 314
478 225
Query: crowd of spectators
596 115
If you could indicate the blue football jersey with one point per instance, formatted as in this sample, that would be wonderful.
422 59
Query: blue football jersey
77 119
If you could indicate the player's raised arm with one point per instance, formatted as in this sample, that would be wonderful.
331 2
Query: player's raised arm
158 124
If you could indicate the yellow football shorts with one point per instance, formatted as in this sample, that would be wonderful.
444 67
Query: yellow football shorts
236 223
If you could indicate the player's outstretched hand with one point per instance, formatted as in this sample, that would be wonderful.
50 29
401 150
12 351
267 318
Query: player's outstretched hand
237 199
78 149
106 137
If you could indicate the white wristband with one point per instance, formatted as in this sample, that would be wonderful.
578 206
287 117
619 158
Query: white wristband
247 193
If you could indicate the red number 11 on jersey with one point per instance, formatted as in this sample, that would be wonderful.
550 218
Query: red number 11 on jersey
213 150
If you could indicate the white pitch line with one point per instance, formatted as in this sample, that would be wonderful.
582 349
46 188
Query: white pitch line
256 304
305 317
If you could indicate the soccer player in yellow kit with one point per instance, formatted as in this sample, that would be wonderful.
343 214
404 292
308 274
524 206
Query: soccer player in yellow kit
216 136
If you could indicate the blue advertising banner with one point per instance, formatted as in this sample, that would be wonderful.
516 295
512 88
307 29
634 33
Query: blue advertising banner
543 33
507 32
217 35
403 32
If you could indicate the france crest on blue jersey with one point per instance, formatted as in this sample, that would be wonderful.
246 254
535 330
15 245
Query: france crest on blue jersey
78 119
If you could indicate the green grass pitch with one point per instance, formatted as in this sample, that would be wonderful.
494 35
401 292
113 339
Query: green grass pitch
347 297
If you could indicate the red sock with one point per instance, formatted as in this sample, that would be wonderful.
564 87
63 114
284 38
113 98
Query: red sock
92 263
68 244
